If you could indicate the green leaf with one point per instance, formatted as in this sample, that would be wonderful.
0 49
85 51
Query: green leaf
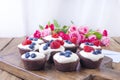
41 27
56 24
48 23
65 28
98 35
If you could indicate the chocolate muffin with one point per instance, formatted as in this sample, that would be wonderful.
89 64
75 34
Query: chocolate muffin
31 44
50 49
66 61
90 58
70 46
33 60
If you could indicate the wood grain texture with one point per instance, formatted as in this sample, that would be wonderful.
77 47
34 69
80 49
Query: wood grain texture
4 42
11 62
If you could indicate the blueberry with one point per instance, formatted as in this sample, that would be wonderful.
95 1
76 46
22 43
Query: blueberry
27 55
67 55
51 41
94 52
45 47
47 44
31 38
31 46
91 44
68 42
68 52
33 55
98 51
33 43
35 39
86 43
62 53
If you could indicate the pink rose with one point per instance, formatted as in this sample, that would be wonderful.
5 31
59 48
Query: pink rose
83 30
105 41
37 34
92 38
45 32
105 33
63 35
72 28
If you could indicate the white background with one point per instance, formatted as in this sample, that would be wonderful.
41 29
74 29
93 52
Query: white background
22 17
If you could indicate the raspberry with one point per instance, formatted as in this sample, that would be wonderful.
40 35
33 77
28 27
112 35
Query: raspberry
88 49
55 45
55 35
97 42
26 42
73 40
60 41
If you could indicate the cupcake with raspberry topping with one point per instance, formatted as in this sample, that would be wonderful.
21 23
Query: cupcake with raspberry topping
95 45
50 48
70 46
90 57
33 60
28 45
66 61
54 36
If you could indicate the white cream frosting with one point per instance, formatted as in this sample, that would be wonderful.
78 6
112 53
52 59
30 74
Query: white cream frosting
91 56
62 59
49 50
68 45
39 41
38 56
27 47
51 38
95 47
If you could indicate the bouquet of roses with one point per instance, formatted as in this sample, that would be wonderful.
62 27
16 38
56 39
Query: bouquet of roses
75 34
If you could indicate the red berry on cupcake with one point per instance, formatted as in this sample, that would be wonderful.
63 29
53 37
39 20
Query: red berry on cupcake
55 45
60 41
73 40
26 42
97 42
55 35
88 49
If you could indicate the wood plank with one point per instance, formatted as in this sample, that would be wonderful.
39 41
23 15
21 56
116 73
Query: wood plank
4 42
117 39
12 47
7 76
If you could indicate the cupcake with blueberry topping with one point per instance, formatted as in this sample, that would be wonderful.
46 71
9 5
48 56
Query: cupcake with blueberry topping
66 61
70 46
33 60
94 45
27 45
90 57
50 48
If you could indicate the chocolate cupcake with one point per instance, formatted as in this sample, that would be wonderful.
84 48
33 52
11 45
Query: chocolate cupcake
27 45
90 58
66 61
70 46
51 48
33 60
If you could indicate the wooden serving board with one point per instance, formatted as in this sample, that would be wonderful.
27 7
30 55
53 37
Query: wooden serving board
12 63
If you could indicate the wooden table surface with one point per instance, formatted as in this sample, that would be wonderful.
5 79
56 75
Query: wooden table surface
5 42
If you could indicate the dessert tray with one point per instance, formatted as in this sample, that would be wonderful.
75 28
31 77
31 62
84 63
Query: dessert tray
13 64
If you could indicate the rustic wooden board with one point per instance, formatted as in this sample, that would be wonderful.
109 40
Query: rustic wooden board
4 42
10 61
